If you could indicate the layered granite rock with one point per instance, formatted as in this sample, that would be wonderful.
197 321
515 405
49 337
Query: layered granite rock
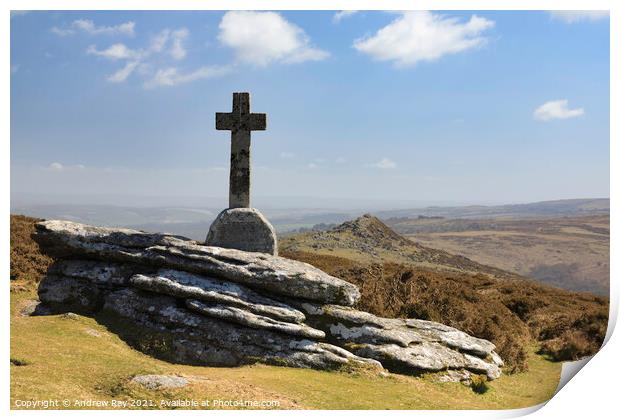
62 239
190 303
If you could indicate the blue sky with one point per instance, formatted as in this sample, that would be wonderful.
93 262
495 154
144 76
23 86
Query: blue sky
432 106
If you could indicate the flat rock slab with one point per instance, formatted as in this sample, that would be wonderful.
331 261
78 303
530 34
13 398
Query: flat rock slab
245 229
64 239
242 317
160 381
187 285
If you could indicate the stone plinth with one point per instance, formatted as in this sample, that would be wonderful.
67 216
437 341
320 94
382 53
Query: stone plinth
245 229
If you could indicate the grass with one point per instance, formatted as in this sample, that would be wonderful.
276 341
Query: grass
67 360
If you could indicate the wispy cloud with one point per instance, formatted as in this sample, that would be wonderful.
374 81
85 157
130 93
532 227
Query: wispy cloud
384 163
89 27
286 155
423 36
59 167
172 77
173 39
262 38
114 52
122 74
556 110
343 14
168 42
573 16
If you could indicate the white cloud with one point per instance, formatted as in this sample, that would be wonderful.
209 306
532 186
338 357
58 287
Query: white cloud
260 38
343 14
572 16
176 40
177 51
114 52
122 74
171 76
340 160
61 32
384 163
158 42
137 57
312 165
142 61
55 166
286 155
89 27
556 110
423 36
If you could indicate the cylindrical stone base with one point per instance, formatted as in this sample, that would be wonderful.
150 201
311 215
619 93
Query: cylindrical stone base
245 229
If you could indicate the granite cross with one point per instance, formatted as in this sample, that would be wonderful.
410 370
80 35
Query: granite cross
240 122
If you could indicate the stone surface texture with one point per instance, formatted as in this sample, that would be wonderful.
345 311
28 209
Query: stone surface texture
160 381
244 229
190 303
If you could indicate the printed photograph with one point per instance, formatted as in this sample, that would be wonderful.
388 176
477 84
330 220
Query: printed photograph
306 210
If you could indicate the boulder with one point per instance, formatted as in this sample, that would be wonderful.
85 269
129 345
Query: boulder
63 239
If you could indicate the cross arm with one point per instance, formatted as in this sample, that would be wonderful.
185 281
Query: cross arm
258 121
232 121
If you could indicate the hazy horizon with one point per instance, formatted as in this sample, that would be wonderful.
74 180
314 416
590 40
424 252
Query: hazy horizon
305 202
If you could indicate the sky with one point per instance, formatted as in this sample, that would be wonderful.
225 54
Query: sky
429 106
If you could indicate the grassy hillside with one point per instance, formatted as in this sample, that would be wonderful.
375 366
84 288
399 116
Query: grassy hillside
401 278
74 357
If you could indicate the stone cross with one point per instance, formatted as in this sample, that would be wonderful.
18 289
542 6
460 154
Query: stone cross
240 122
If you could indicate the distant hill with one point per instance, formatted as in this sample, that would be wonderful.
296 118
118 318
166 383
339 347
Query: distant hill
573 207
401 278
571 252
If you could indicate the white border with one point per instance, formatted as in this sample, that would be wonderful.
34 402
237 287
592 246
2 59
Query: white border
593 393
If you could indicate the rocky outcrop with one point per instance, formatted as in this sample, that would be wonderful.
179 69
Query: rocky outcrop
190 303
62 239
404 345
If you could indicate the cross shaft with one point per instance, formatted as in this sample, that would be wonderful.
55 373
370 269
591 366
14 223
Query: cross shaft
240 122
